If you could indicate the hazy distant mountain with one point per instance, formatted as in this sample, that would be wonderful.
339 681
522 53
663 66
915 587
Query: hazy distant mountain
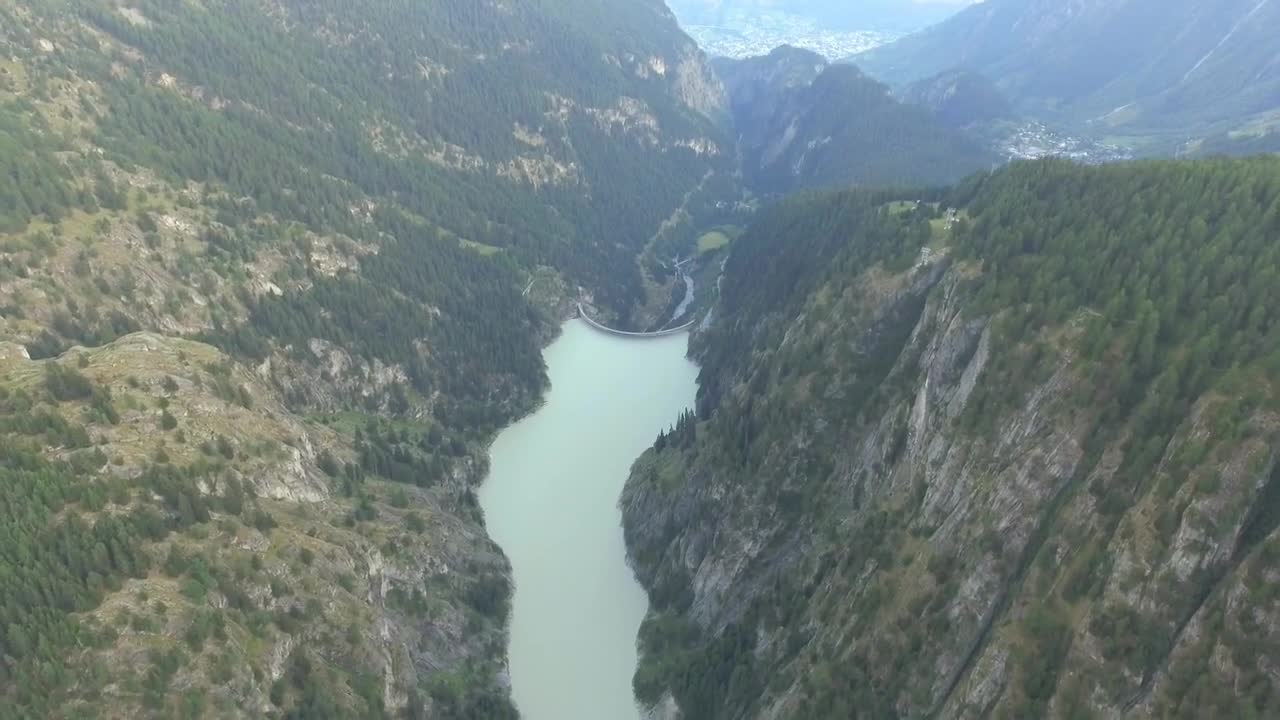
1159 67
1240 144
960 98
802 124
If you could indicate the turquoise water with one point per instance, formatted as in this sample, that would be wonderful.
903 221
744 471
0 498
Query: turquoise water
551 502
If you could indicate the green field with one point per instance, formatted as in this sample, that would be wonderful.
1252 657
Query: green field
938 226
713 240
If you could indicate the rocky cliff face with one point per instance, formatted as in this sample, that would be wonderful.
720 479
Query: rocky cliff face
698 87
857 528
758 86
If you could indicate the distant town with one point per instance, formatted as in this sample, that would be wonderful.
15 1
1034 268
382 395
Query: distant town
1032 140
750 34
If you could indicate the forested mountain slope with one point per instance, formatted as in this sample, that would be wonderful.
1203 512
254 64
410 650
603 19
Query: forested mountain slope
1017 464
803 124
273 272
1157 70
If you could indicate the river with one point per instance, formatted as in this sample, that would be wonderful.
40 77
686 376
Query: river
551 502
689 297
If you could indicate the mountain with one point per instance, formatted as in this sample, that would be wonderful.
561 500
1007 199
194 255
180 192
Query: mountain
1006 450
960 99
802 124
1154 70
273 274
